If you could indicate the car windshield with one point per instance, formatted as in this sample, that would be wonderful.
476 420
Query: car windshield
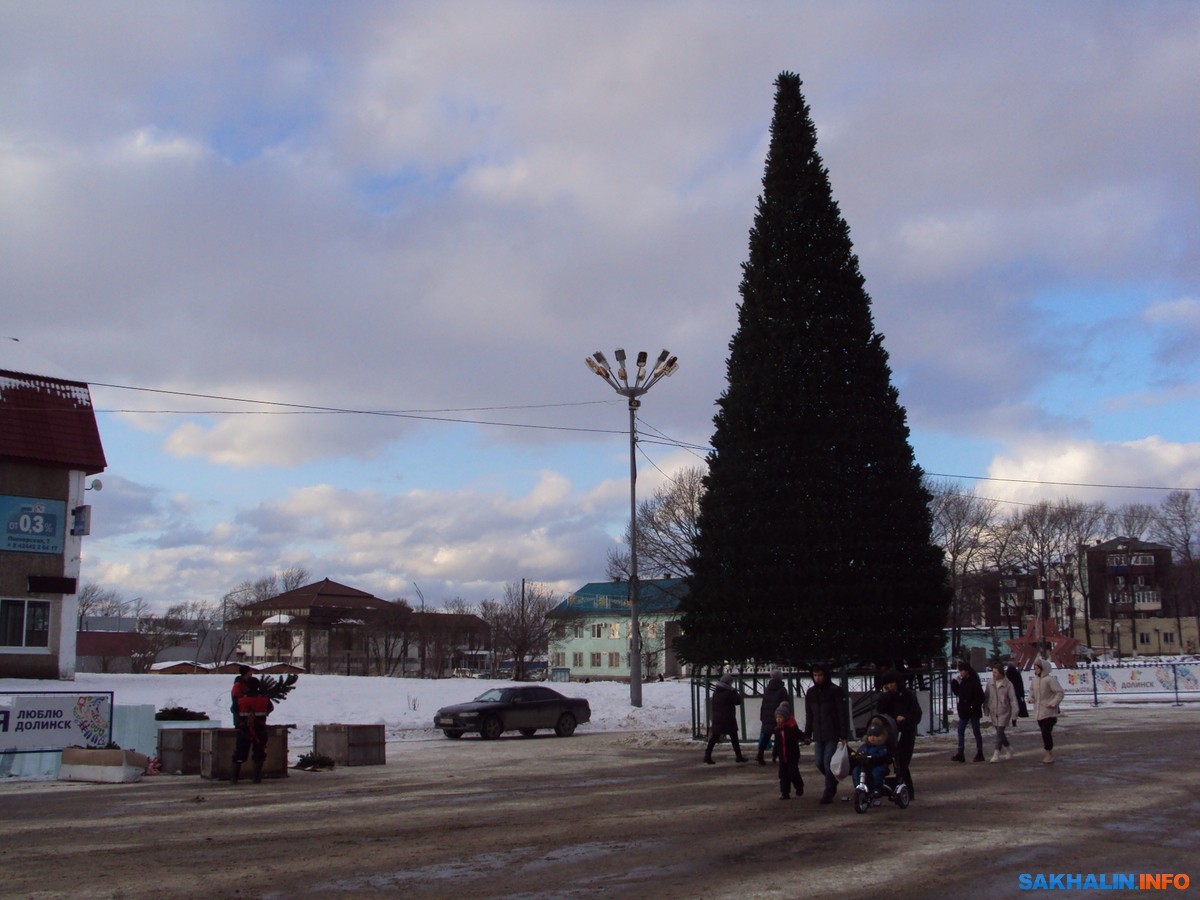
493 696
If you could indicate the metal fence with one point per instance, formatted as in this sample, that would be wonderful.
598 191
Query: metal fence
1132 682
930 684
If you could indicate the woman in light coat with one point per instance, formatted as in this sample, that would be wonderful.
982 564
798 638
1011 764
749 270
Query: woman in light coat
1047 695
1000 703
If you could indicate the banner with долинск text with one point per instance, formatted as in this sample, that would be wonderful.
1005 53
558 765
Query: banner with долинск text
42 722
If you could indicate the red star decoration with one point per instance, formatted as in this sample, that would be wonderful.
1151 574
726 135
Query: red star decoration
1027 647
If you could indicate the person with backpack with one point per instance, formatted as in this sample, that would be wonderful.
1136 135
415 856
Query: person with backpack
902 705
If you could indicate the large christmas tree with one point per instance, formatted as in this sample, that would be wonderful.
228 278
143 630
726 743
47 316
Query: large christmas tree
814 529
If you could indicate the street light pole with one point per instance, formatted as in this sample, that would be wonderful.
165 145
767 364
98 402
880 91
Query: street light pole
664 366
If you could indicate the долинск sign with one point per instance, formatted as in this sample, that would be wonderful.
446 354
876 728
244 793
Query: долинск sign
42 722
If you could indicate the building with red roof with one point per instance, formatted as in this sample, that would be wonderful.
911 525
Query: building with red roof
49 444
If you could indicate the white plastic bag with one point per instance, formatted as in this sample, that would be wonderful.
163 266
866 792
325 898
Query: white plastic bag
839 765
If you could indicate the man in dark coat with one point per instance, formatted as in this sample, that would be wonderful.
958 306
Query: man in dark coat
775 694
967 687
725 702
902 705
826 724
1013 674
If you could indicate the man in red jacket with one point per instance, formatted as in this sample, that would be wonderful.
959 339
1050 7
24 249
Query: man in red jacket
253 709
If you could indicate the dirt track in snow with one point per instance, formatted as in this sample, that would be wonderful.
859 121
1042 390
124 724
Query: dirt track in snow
621 815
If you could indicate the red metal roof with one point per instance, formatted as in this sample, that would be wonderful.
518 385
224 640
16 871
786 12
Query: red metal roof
49 421
323 594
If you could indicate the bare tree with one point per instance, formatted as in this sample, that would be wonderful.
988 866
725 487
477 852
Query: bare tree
460 606
493 613
1081 524
1177 525
251 591
387 638
1133 520
666 537
95 600
961 525
291 578
521 624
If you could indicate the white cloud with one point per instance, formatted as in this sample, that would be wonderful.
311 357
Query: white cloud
1080 469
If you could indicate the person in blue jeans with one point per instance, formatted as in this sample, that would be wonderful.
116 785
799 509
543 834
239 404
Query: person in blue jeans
826 724
967 687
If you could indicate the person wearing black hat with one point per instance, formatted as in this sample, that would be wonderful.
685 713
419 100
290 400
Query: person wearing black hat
725 702
240 683
897 701
826 724
775 694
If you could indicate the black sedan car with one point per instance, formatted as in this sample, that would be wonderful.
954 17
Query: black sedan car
523 708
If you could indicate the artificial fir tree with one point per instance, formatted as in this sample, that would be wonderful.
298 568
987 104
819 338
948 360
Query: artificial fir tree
814 528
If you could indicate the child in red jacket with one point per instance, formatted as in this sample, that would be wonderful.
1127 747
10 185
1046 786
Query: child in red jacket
787 752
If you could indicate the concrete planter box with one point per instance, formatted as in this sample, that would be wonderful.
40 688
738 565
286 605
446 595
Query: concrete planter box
102 766
216 753
350 745
179 746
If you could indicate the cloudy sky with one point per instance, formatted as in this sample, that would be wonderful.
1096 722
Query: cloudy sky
332 269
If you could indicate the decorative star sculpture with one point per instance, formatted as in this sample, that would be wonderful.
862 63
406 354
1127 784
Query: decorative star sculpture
1026 648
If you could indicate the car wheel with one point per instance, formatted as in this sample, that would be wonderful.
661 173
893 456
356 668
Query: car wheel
452 733
491 729
529 732
565 726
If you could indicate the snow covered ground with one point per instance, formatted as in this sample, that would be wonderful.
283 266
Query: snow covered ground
404 706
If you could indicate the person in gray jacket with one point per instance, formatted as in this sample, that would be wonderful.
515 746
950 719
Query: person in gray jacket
775 694
1000 703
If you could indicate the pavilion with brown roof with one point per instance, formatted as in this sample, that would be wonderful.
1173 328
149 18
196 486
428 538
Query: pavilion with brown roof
324 618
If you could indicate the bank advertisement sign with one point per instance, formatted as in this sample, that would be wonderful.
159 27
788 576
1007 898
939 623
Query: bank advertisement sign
32 525
42 722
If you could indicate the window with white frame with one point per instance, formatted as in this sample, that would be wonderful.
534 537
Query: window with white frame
614 660
577 630
577 660
1143 638
560 659
614 631
25 623
650 629
598 629
1168 637
596 660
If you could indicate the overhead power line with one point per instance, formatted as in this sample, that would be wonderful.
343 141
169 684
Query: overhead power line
436 415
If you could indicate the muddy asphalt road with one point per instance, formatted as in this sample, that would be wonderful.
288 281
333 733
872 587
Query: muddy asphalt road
621 815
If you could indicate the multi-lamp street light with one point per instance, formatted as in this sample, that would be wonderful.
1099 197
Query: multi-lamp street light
664 366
